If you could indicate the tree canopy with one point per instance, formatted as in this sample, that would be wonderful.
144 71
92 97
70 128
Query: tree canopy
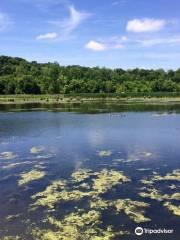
18 76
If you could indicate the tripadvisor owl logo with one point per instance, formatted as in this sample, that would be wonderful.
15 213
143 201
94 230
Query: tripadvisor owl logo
139 231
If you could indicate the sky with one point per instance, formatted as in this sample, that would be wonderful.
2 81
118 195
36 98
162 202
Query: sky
106 33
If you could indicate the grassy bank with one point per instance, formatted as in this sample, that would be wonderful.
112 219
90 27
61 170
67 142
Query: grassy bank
81 98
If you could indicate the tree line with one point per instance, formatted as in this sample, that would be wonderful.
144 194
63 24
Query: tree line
18 76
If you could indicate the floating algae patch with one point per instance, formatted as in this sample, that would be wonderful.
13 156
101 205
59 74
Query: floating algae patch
77 226
30 176
59 191
151 193
156 195
99 203
133 209
147 182
173 208
7 155
81 175
104 153
37 150
51 195
174 176
106 179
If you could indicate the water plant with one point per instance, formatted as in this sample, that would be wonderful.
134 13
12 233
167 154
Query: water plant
30 176
173 208
133 209
37 149
174 175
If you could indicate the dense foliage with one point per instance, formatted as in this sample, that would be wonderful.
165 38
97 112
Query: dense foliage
17 76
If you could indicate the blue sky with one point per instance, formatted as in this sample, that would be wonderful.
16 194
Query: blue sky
116 33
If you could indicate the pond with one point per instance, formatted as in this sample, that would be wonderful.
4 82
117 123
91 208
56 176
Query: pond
94 171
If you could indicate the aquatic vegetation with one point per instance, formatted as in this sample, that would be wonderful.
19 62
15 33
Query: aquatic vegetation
175 175
12 238
59 191
152 193
49 199
155 194
36 150
173 208
99 203
104 153
51 195
81 175
74 226
77 226
106 179
147 182
7 155
30 176
133 209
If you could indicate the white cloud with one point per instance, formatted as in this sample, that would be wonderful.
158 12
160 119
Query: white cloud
68 25
156 41
145 25
107 44
47 36
96 46
4 21
65 27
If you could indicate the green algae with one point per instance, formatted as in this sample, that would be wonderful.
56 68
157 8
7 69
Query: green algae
174 176
74 226
156 195
99 203
104 153
30 176
173 208
59 191
81 175
147 182
77 226
51 195
133 209
82 225
7 155
106 179
37 150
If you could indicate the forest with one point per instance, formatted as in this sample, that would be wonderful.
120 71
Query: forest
18 76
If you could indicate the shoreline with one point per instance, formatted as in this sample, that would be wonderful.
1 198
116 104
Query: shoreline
54 99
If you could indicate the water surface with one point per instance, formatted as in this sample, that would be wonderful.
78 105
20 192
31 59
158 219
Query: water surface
142 143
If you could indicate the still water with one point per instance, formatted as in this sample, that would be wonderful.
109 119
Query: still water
90 173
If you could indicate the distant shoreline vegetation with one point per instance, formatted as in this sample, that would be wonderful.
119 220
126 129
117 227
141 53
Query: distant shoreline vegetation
18 76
